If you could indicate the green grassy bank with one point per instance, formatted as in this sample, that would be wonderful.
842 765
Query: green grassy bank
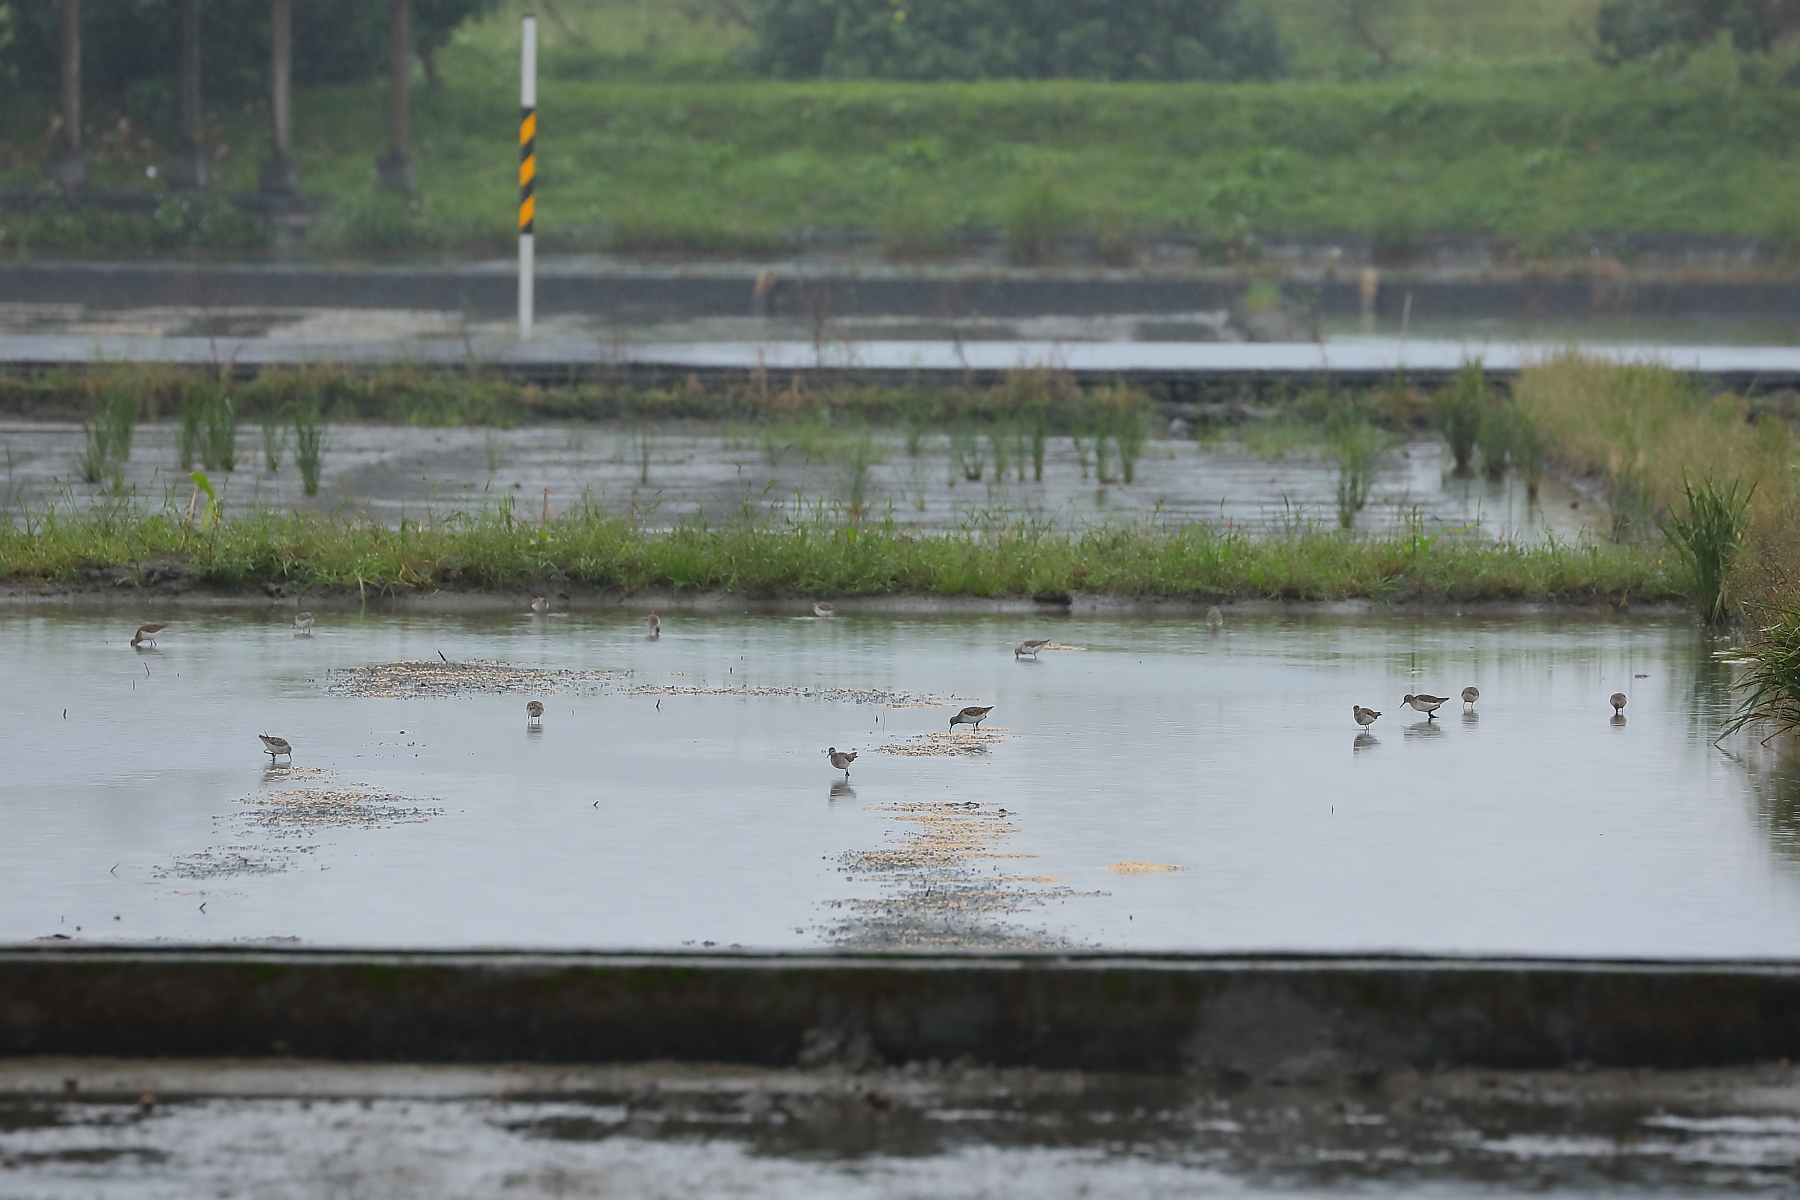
826 557
656 150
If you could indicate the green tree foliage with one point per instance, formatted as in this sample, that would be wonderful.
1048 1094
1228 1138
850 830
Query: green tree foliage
130 48
1014 39
1634 29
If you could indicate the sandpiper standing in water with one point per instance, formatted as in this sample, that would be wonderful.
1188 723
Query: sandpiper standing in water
971 716
147 633
303 622
540 605
1618 703
841 759
1426 704
274 746
1215 620
654 623
1024 649
1471 695
1364 716
535 710
822 609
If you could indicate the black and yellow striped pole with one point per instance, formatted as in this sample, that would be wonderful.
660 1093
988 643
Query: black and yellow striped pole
527 171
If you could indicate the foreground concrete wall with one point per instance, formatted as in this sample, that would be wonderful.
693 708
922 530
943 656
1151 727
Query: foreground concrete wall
1262 1018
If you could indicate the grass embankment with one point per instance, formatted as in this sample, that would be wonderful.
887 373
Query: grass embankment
690 159
824 557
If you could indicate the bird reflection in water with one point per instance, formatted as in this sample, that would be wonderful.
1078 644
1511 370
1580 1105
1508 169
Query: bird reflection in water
1471 717
1364 741
1617 720
841 790
1424 729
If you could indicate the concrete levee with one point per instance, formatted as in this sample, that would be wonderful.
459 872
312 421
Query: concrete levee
1258 1017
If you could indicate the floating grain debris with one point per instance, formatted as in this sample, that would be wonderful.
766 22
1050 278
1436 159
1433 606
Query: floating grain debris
355 804
933 897
1142 868
830 695
224 863
436 678
965 741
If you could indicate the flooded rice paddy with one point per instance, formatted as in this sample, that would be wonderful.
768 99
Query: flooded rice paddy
1266 480
1153 786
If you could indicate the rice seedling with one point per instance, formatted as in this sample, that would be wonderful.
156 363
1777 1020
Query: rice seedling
274 440
1037 422
1000 448
643 446
188 422
494 448
218 431
1130 429
1707 534
95 459
309 447
965 451
116 422
861 454
1460 409
1357 444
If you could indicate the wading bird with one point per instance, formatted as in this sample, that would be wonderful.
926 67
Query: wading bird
1214 618
1618 703
655 624
535 710
540 605
1030 648
1426 704
841 759
1471 695
147 633
303 622
971 716
274 746
1364 716
822 609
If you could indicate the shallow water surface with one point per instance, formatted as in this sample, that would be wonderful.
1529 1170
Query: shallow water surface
676 792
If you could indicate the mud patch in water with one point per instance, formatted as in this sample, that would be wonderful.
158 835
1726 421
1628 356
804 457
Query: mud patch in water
225 863
354 804
476 678
831 695
934 894
1142 868
965 741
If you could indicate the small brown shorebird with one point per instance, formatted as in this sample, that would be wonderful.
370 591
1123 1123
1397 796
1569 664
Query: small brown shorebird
1215 619
540 605
535 710
822 609
1471 695
1426 704
274 746
1618 703
971 716
147 633
303 622
1364 716
654 623
841 759
1030 648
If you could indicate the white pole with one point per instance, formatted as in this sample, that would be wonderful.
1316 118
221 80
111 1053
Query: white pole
527 172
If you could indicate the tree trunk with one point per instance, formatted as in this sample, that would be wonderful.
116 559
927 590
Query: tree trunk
396 166
67 164
278 176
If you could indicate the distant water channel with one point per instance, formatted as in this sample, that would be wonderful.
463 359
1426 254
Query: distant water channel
1150 787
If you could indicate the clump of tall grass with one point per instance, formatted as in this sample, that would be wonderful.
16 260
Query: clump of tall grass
862 453
1639 429
1707 533
1459 412
1036 220
965 451
1770 683
309 447
189 421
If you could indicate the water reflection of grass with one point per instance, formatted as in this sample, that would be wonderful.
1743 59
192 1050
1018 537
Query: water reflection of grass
817 551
